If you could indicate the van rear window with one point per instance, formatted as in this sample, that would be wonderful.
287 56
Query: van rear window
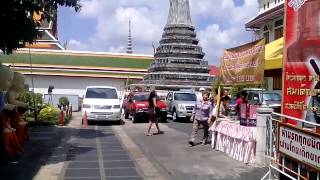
101 93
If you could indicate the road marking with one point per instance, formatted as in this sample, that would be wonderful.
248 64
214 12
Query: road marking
147 168
100 157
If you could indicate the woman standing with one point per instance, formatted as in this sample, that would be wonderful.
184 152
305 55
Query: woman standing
152 112
200 116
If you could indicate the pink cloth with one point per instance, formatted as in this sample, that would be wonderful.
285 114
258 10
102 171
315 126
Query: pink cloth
238 142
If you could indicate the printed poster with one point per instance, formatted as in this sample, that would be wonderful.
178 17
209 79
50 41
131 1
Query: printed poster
301 88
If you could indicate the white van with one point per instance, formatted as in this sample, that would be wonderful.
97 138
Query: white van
101 103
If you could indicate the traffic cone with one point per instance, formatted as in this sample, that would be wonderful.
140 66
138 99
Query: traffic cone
85 120
61 117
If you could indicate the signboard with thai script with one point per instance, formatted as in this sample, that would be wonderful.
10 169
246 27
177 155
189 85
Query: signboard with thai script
301 88
300 145
243 64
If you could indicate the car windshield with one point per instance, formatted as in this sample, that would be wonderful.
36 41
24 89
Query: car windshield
141 97
144 97
185 97
101 93
271 97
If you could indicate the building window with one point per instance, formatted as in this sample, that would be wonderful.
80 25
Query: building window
268 5
275 1
278 29
277 83
264 6
266 34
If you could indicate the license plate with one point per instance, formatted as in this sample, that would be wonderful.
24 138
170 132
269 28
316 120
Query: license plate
101 117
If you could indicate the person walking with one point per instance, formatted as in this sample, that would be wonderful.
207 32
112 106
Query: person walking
200 116
242 99
152 113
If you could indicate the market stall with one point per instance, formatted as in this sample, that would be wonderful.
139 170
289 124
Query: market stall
238 142
240 66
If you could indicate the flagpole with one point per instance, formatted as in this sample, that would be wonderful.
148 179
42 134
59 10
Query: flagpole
218 102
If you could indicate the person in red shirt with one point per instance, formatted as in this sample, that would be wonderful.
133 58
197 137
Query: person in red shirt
242 99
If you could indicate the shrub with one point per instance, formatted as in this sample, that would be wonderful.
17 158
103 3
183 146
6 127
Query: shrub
64 101
30 97
49 115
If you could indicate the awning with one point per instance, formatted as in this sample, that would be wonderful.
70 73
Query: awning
268 15
274 55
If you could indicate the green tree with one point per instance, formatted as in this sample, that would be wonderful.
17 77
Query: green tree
17 24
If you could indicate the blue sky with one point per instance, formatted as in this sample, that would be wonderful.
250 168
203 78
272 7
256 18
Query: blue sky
102 25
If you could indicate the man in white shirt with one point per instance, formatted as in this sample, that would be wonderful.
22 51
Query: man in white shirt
199 94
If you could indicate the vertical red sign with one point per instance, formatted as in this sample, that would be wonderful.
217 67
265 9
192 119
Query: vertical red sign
301 89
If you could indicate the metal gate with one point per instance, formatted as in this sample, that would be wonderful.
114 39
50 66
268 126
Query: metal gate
280 166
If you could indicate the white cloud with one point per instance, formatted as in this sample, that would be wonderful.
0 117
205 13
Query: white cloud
77 45
119 49
220 24
226 29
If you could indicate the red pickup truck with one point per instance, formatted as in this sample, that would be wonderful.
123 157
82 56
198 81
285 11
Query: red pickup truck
139 108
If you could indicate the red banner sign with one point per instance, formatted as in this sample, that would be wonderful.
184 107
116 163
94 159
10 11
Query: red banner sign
301 91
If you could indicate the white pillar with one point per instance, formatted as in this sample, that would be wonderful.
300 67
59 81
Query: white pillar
263 114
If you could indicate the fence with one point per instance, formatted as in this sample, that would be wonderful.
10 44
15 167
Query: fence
281 166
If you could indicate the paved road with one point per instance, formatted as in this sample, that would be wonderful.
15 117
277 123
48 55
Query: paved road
184 126
175 159
72 153
95 154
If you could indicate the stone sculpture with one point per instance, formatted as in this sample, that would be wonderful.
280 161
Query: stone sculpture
13 96
10 142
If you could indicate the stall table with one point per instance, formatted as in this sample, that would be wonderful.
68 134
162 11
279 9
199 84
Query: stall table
238 142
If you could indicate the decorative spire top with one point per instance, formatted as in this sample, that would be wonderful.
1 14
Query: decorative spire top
179 13
129 48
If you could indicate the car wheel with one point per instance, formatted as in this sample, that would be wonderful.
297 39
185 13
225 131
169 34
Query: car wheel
134 120
175 116
164 118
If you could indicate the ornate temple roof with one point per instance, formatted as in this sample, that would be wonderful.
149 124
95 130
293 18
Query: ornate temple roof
79 63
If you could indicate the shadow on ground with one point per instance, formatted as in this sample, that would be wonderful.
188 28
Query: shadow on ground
44 141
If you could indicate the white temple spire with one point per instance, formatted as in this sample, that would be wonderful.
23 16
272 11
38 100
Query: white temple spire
129 47
179 13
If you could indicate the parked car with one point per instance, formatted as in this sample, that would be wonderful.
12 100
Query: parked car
181 104
139 108
101 103
270 98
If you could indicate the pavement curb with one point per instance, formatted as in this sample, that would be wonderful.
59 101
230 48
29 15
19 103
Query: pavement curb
148 169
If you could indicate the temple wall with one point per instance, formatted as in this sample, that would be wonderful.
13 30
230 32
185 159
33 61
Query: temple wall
71 85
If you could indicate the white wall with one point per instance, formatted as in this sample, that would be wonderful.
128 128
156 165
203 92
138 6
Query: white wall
263 4
271 27
71 85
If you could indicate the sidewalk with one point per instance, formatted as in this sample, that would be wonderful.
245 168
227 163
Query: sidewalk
42 144
175 159
72 152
